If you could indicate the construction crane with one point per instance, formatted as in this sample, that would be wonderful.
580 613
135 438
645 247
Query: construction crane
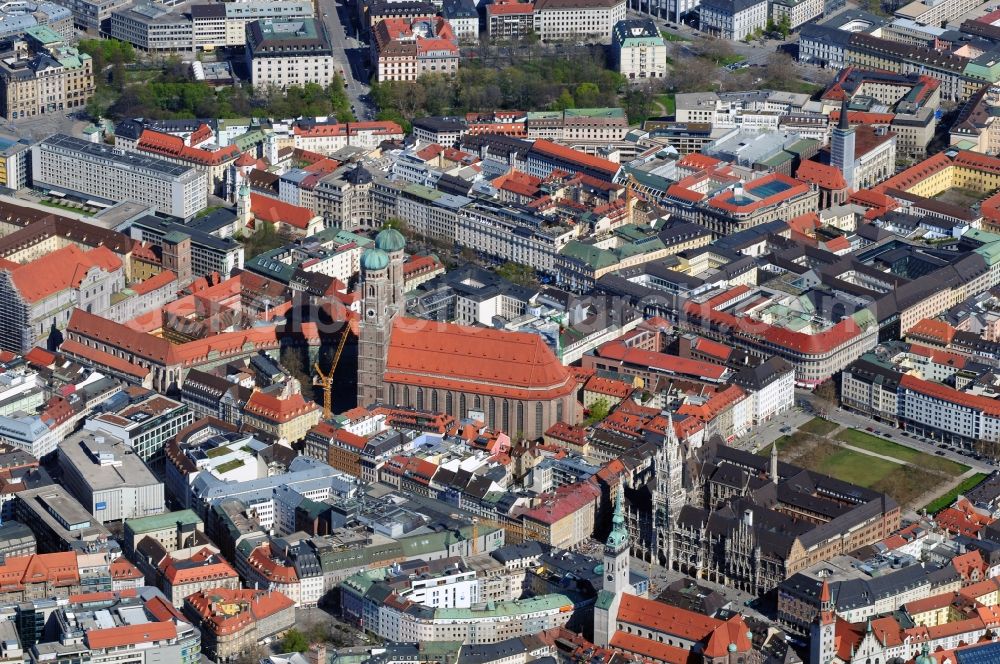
326 380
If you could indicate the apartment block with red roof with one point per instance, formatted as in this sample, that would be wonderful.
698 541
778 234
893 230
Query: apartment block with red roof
118 626
335 446
233 622
325 138
817 349
405 48
43 293
743 205
203 156
509 19
183 573
565 517
284 414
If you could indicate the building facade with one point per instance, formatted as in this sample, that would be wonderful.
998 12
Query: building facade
284 52
73 166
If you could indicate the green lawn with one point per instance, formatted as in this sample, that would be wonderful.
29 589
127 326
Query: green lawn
947 499
729 60
805 87
906 454
818 426
668 103
671 37
855 467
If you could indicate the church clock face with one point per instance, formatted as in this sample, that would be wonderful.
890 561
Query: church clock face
370 314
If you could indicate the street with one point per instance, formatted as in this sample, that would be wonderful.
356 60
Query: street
350 54
763 435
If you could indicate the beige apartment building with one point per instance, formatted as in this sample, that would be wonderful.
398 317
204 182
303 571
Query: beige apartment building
41 75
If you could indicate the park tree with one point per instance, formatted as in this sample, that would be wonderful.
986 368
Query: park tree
522 275
294 641
598 411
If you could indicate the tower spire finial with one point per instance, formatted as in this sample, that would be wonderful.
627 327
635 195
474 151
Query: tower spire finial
774 462
619 532
843 122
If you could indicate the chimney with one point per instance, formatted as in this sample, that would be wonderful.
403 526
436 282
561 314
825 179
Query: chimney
316 654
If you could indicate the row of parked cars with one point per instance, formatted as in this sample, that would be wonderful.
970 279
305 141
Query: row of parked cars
943 448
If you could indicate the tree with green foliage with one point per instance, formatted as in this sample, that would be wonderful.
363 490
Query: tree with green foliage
597 411
785 26
263 239
587 95
294 641
522 275
564 101
395 223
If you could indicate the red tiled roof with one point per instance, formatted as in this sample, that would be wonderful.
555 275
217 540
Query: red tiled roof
252 605
699 161
717 350
275 408
205 565
950 395
932 328
59 569
508 8
40 357
821 175
77 349
608 386
567 433
794 188
863 118
614 350
126 635
168 145
123 569
915 174
650 649
732 632
61 269
660 617
383 127
274 211
718 400
475 359
564 501
342 436
937 356
574 156
155 282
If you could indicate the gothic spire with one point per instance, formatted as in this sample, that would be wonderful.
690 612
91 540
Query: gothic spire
843 123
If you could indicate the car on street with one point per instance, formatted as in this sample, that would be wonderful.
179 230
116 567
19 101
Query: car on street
940 453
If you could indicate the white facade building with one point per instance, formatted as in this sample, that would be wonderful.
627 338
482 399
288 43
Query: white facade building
638 50
286 52
733 19
94 171
110 481
577 20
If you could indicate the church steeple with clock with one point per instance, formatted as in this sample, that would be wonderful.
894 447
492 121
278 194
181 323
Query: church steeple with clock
616 575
